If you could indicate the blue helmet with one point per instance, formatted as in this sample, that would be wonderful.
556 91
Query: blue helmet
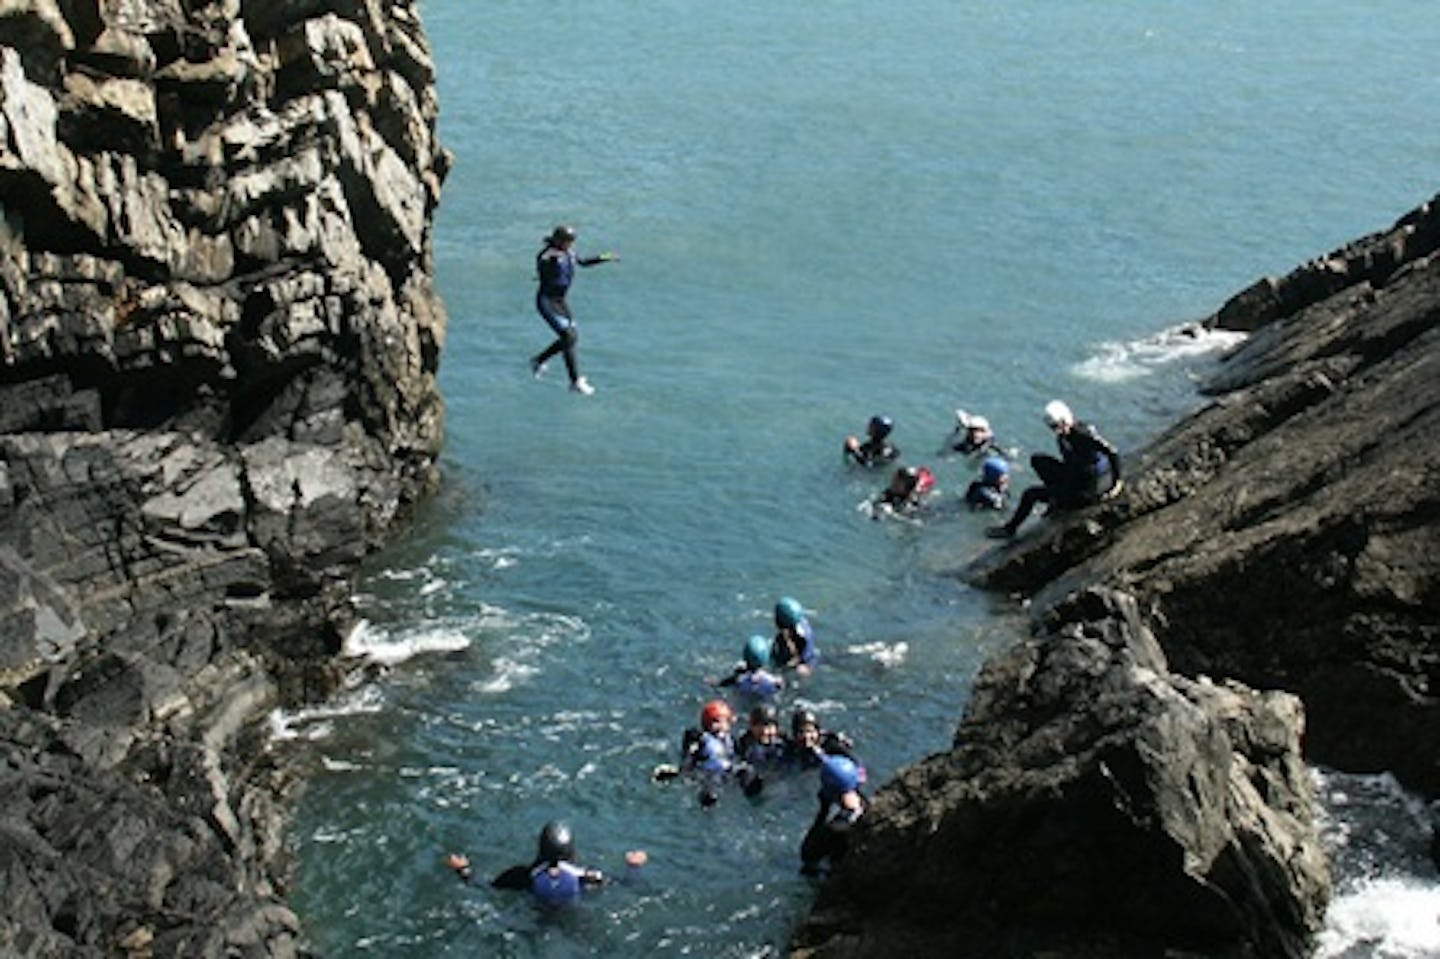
839 774
993 468
788 612
757 652
880 426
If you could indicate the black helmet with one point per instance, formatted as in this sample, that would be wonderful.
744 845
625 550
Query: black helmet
562 234
880 426
763 715
802 718
556 842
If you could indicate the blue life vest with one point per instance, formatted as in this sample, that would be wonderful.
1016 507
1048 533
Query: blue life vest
556 884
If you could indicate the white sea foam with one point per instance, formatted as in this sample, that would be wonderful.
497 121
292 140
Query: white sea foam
1119 362
317 722
387 648
1383 919
888 655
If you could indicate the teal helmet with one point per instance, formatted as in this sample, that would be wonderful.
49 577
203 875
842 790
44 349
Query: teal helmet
788 612
757 652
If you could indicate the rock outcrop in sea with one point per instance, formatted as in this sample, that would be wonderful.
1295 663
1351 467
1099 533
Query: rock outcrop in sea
1130 779
219 340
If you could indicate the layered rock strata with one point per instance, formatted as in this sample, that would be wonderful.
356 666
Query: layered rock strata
1114 795
219 341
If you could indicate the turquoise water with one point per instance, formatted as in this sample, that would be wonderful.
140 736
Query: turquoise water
823 212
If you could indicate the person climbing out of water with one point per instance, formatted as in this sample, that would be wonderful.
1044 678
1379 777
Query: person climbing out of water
876 448
906 493
973 436
555 264
553 878
992 489
1087 471
752 676
841 806
794 645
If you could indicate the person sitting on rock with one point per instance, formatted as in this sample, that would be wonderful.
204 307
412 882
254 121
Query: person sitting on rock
1087 471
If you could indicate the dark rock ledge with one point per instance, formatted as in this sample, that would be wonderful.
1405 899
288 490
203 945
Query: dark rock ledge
1118 786
218 350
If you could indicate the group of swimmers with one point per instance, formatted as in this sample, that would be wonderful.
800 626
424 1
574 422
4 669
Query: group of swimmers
712 756
1087 470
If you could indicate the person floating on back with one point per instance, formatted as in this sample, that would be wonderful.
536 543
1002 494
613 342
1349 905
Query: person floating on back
555 264
553 878
1087 471
876 448
992 489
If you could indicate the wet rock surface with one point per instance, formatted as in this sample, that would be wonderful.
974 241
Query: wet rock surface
219 342
1129 781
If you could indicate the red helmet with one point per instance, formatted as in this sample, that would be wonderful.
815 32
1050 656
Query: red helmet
714 711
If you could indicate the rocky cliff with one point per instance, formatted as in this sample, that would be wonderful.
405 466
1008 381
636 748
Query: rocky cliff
219 341
1117 787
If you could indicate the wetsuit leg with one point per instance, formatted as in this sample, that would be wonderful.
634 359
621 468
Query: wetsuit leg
556 313
1032 496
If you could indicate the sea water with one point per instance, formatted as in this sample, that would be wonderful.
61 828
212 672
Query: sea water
823 212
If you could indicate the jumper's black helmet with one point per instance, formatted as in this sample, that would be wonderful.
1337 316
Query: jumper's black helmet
562 234
881 426
556 842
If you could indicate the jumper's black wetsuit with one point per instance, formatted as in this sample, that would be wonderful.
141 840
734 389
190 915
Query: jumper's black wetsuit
556 267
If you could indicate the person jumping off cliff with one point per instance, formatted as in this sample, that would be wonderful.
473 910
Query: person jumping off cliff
555 264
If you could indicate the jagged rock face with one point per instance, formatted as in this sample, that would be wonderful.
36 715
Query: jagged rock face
1287 534
1096 804
1093 804
219 341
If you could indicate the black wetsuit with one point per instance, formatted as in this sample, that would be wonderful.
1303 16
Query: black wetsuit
556 267
873 452
1088 466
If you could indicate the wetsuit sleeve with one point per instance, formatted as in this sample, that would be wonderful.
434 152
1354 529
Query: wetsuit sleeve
516 877
592 260
1112 455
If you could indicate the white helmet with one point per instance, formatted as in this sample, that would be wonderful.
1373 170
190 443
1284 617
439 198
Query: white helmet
1058 414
